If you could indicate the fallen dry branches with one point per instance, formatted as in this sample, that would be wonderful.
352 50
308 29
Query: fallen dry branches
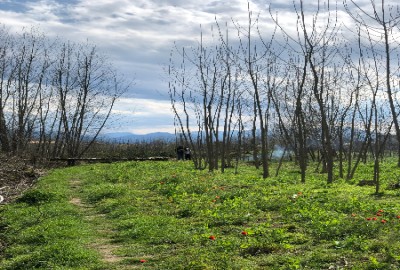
16 176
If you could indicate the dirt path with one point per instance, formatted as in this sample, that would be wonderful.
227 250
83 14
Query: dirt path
104 241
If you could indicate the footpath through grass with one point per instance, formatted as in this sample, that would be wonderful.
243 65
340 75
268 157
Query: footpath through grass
165 215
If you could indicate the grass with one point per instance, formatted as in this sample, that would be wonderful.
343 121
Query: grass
43 230
166 215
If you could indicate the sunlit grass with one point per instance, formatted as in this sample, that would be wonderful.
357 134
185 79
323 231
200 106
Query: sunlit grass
171 216
44 231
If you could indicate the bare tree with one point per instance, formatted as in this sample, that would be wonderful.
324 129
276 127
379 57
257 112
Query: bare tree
179 92
24 70
291 117
204 91
7 71
380 21
53 99
86 104
355 125
316 42
258 64
320 49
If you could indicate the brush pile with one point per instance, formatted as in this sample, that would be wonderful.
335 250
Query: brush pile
16 176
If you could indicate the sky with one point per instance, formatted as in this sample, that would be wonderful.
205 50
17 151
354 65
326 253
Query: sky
137 36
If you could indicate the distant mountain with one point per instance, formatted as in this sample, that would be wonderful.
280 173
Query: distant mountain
124 137
131 137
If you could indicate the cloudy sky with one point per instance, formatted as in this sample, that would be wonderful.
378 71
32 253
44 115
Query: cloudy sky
138 36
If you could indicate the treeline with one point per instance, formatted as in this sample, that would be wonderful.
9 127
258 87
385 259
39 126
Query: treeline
324 82
55 95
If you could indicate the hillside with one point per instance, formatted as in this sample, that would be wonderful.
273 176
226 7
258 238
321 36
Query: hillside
131 137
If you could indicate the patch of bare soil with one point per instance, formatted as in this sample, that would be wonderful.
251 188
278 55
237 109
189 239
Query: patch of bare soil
77 202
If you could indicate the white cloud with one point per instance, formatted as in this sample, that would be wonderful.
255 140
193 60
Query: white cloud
142 116
138 35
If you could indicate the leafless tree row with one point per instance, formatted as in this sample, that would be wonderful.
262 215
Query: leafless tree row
326 86
55 96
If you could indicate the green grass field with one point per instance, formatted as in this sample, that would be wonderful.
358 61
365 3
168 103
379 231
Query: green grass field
166 215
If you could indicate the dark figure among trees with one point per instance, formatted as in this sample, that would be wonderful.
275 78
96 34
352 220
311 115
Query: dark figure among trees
187 153
180 151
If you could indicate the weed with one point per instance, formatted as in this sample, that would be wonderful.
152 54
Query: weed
165 215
